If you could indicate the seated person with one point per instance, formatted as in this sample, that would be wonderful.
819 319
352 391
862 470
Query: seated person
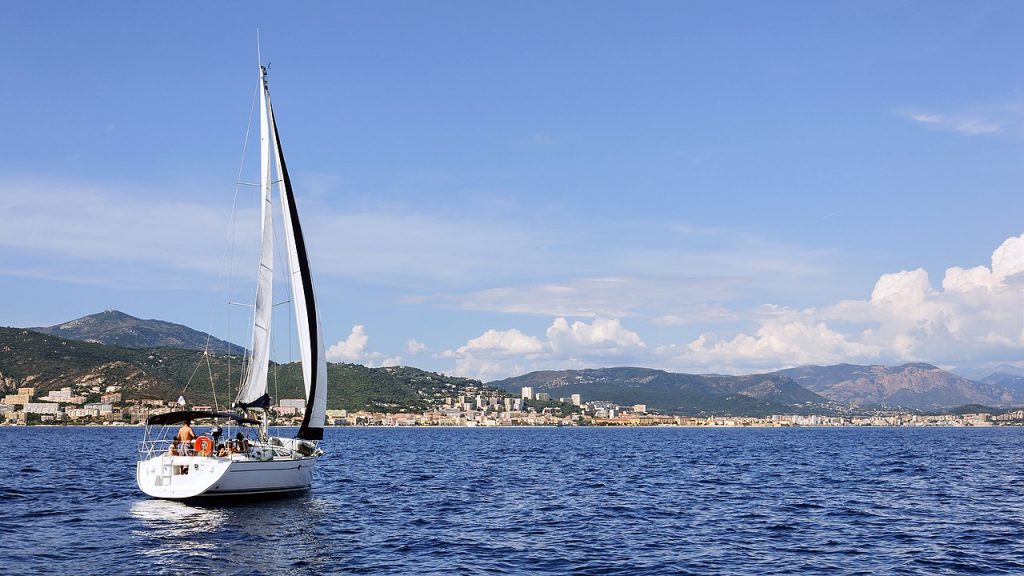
241 444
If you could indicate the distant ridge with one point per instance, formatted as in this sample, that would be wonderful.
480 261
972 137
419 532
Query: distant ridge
1007 376
915 385
691 394
817 389
116 328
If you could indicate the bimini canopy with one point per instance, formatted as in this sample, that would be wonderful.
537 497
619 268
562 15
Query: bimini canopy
181 416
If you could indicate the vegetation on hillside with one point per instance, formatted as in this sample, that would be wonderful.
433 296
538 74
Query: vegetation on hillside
47 363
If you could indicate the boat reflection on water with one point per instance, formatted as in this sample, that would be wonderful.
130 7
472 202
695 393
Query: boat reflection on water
174 529
273 535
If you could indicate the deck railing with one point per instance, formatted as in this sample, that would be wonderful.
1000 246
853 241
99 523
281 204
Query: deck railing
151 448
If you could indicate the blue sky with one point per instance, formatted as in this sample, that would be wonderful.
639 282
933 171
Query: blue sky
492 188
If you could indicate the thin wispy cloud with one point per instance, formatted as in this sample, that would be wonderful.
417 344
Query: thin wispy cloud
52 275
966 125
86 231
621 296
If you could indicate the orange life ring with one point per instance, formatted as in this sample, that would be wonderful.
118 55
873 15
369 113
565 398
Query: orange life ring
204 445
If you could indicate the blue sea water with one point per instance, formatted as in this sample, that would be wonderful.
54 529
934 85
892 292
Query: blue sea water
539 501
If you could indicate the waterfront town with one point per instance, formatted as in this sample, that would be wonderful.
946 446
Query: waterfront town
95 405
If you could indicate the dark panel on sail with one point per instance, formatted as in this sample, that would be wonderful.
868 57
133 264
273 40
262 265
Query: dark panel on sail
261 402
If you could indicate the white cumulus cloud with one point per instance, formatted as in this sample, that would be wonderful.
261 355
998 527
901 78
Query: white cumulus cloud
350 349
499 354
602 334
414 346
494 354
788 341
975 317
353 349
1008 259
503 342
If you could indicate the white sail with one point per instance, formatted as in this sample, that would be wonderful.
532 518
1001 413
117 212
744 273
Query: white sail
254 391
307 317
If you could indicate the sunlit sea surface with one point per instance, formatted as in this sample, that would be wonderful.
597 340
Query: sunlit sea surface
539 501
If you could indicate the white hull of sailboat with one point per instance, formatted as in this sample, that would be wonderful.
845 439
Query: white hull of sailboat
165 476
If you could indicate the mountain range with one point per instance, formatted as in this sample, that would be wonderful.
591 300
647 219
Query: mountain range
157 359
45 362
914 385
119 329
817 389
693 394
1007 376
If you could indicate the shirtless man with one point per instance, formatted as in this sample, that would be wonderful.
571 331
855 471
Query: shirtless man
185 436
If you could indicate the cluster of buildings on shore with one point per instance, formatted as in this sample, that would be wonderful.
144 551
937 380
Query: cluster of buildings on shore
86 404
493 408
105 405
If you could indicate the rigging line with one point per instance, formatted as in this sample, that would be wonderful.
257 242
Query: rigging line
291 343
273 352
187 384
230 248
213 388
231 240
277 392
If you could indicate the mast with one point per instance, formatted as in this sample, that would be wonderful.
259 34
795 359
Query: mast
253 393
307 318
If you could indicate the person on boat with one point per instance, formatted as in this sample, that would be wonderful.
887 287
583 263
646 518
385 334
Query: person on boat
184 437
240 444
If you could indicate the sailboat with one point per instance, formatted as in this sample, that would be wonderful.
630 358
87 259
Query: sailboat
251 462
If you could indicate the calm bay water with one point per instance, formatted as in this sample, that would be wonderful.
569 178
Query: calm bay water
539 501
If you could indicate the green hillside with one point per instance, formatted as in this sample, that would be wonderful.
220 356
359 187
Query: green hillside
393 389
47 363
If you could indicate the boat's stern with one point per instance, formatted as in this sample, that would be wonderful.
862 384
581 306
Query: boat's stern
178 477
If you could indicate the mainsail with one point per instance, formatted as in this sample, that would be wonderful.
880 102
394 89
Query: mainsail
310 336
253 393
